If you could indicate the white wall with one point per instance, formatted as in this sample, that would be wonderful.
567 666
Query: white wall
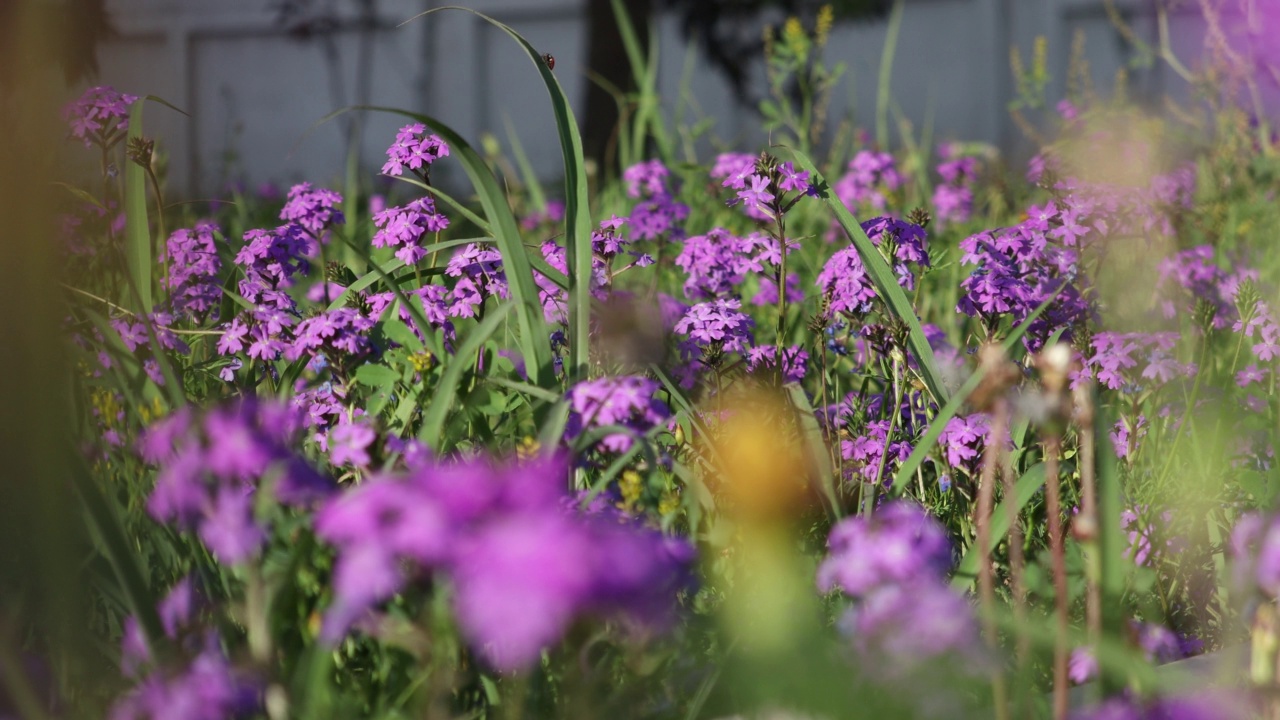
251 90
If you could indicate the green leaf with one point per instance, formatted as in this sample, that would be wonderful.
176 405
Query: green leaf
137 228
460 362
948 411
104 519
577 209
816 446
885 280
1023 491
377 376
401 334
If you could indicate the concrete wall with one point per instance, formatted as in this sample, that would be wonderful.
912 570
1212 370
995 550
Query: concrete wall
254 95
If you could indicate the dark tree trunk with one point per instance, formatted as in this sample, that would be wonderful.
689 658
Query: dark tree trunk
607 59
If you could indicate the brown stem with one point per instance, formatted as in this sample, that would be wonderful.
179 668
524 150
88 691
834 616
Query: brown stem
1058 553
1016 560
1089 511
986 578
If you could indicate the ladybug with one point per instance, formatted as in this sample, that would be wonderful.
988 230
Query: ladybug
550 60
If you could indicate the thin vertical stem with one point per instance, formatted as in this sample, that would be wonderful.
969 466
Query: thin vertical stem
1088 519
1058 554
986 578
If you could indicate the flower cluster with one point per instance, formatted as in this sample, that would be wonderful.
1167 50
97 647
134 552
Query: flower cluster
100 115
211 465
844 279
270 260
1117 356
340 333
893 565
193 266
314 209
522 562
209 688
479 272
865 453
870 178
406 228
1020 268
623 401
717 262
764 358
963 440
717 326
761 183
415 150
1191 276
136 336
657 214
953 197
1255 554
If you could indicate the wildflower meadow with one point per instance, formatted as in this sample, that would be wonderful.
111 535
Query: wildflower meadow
847 424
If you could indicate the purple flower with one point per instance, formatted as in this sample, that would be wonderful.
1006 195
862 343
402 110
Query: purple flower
791 180
209 470
757 196
963 441
349 443
1255 553
627 401
795 360
767 295
193 267
736 170
479 272
208 689
406 228
1250 375
415 150
270 260
844 278
314 210
898 543
870 178
100 115
897 628
523 564
646 179
341 333
719 324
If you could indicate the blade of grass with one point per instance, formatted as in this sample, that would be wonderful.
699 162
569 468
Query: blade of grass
886 73
1025 489
948 411
461 361
104 518
481 224
816 446
577 211
530 178
137 227
535 339
885 280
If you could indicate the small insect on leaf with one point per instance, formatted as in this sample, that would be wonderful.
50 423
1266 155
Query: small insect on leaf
550 60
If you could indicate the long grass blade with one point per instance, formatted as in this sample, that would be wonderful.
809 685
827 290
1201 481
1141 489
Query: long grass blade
885 280
948 411
577 214
137 226
436 414
1025 489
535 339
